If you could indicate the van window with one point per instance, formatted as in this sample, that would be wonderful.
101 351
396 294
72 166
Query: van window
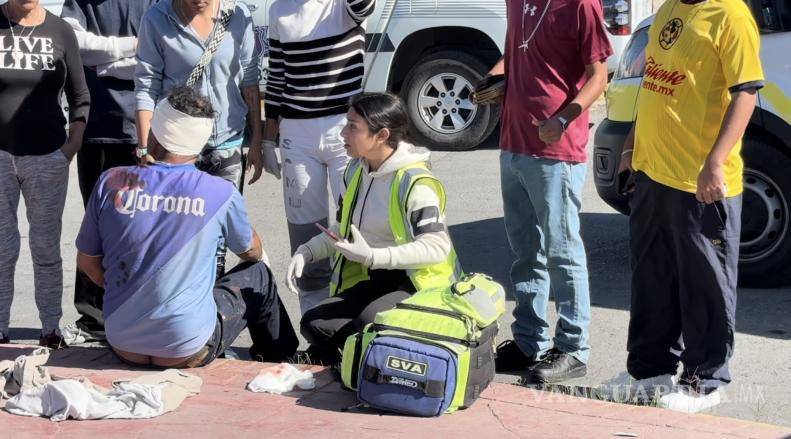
772 15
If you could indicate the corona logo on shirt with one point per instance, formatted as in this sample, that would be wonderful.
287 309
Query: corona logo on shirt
129 201
661 80
670 33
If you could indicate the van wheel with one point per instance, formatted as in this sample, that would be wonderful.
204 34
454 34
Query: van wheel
765 247
437 93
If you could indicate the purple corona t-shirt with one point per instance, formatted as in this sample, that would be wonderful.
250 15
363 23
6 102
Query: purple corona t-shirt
157 228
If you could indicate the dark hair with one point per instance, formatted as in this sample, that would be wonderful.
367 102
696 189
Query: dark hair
383 110
190 102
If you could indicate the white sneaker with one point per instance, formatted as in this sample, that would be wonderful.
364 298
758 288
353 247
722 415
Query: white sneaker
686 400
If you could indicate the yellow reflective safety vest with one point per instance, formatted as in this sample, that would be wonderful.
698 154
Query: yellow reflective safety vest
346 273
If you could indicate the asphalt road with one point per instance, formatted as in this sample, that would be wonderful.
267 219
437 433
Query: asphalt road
763 343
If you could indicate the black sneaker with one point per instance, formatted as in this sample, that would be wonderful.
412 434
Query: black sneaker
557 366
4 339
53 340
510 358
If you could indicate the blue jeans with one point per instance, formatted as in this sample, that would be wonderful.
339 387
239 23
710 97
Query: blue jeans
541 202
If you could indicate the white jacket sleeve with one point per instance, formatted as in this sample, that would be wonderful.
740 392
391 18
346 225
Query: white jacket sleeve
96 50
121 69
432 243
320 246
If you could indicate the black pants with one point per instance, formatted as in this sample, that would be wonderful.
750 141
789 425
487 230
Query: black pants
327 326
684 267
92 160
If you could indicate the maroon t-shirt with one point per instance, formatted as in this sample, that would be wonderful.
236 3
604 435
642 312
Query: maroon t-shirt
548 74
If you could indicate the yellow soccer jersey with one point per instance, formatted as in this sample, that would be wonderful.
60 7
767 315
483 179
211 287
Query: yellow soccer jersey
696 55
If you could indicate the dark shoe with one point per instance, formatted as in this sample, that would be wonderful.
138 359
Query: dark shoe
53 340
510 358
557 366
4 339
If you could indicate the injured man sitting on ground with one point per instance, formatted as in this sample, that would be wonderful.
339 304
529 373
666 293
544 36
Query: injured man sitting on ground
150 236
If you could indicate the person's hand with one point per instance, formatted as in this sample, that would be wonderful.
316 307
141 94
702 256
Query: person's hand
144 160
270 160
255 161
626 161
297 265
711 183
357 250
70 149
550 130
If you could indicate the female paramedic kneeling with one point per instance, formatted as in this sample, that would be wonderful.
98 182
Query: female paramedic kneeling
392 239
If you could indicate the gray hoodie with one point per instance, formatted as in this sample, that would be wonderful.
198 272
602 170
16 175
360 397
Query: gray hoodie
432 243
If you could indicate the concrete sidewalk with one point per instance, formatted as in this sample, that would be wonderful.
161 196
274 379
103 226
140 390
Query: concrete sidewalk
224 408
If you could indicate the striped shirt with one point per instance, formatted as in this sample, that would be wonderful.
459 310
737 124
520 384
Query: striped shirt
316 57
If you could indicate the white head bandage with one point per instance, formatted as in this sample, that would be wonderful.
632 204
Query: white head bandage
180 133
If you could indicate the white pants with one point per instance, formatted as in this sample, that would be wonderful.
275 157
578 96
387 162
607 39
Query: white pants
313 154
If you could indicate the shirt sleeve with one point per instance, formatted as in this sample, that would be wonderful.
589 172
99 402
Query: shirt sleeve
237 230
275 78
89 240
122 69
359 10
150 65
77 94
739 49
432 243
96 49
250 57
594 46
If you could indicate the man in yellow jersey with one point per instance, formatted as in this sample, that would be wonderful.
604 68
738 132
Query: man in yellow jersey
698 94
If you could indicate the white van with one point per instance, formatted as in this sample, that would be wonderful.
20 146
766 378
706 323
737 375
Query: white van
421 49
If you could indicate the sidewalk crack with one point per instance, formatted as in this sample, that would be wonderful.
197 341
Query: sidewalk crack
502 424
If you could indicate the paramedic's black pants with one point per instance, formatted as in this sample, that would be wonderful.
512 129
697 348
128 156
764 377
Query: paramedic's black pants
684 260
327 326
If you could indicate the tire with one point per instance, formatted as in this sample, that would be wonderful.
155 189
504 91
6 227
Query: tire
471 125
765 249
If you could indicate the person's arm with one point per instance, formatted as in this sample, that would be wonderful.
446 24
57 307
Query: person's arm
432 244
254 253
96 49
122 69
250 60
739 48
359 10
77 94
628 151
594 49
148 77
498 68
92 267
275 81
711 180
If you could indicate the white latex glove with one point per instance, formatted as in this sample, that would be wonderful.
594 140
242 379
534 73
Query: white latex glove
301 257
357 250
271 162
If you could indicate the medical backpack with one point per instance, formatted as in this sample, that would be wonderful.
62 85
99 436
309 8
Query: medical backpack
431 354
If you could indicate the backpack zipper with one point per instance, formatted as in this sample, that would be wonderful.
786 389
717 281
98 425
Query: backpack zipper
428 335
468 323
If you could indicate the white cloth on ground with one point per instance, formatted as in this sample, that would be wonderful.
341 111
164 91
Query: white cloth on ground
281 379
24 373
38 394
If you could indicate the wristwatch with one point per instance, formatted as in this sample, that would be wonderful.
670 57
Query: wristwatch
141 152
563 122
